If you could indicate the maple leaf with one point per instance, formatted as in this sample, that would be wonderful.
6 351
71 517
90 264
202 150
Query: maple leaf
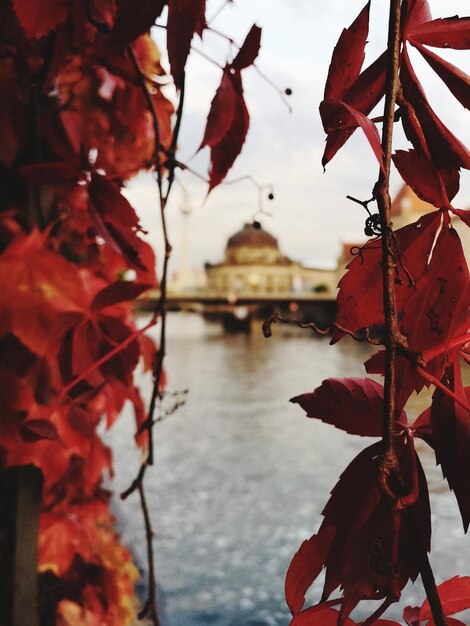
40 17
249 49
454 595
451 438
428 313
305 566
456 80
185 17
34 278
227 126
417 13
348 56
119 291
37 429
134 19
369 540
363 96
433 185
359 300
429 318
342 112
59 542
448 32
446 150
115 219
354 405
319 615
221 113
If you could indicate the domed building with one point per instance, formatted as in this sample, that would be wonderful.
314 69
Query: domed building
254 265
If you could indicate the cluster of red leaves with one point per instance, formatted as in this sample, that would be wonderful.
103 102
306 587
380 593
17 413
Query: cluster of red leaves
454 595
376 530
82 109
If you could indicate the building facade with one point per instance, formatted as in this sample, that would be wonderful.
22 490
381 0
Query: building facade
254 265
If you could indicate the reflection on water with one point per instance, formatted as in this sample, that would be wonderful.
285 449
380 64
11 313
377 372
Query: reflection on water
241 476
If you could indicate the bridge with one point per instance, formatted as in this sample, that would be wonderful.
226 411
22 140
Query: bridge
239 308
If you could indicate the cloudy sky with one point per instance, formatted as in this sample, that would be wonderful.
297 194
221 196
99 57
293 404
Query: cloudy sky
310 214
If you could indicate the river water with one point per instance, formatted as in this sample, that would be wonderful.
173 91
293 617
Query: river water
241 475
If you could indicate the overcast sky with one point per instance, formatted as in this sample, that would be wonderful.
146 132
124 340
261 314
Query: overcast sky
310 215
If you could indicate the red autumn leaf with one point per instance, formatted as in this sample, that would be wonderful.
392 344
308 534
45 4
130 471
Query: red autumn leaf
80 420
115 220
460 323
451 436
224 153
411 615
148 348
338 110
463 214
363 96
59 542
51 173
91 340
360 296
417 12
348 56
36 429
249 49
305 566
454 595
428 313
36 279
134 19
40 17
319 615
222 112
111 203
120 291
354 405
456 79
446 150
448 32
359 510
185 17
437 187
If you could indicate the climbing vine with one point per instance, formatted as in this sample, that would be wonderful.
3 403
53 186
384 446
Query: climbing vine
85 106
408 290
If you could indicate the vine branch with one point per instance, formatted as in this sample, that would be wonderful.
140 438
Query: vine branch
393 335
362 335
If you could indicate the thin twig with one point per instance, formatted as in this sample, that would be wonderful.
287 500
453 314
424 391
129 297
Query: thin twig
281 92
151 605
219 10
207 57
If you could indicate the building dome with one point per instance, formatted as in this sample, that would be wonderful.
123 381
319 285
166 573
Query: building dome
252 235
